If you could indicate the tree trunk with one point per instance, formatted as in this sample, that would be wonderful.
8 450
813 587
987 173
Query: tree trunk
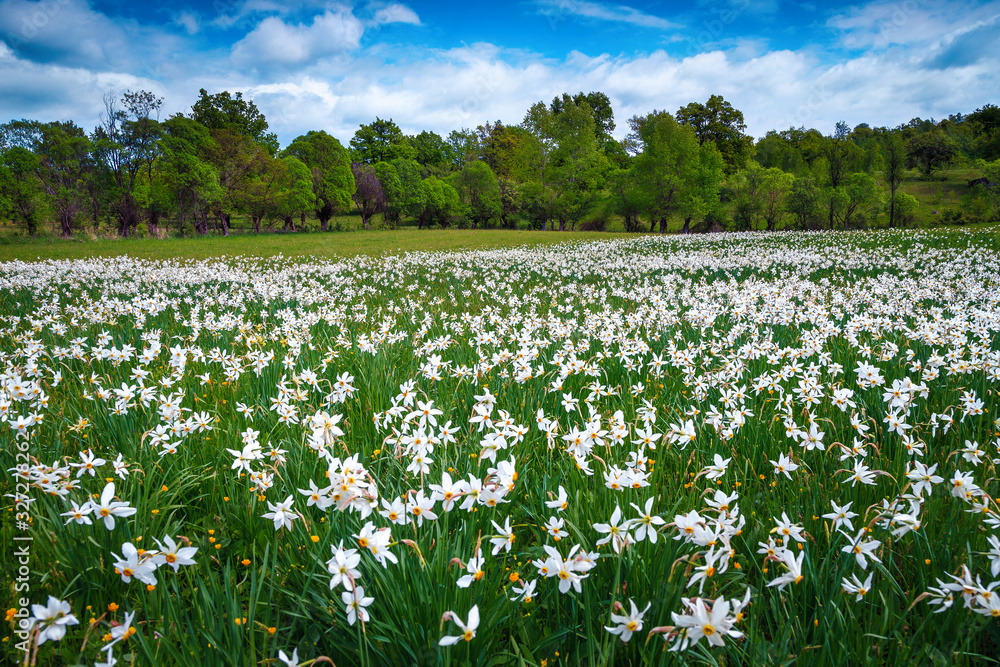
154 222
892 207
562 224
289 225
256 224
663 226
127 214
687 225
66 224
95 207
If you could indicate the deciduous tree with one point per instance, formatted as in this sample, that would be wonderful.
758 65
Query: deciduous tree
330 166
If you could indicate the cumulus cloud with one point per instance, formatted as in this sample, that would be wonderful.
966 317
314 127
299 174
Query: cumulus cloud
315 69
274 41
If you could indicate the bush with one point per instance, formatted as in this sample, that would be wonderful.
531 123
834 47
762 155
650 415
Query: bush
598 223
976 205
952 217
906 207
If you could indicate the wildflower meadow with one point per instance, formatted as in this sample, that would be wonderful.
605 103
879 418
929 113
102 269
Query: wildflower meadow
724 449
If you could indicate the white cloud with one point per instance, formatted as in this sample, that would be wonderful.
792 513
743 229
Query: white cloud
274 41
188 21
315 74
885 23
603 12
396 13
450 89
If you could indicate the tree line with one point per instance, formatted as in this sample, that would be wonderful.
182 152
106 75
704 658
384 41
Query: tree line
560 168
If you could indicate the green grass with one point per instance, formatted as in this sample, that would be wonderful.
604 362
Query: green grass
331 244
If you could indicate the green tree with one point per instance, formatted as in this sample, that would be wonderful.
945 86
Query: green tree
224 111
748 196
261 191
930 151
602 113
64 162
625 197
126 143
718 122
700 194
392 189
441 203
429 150
411 195
534 160
379 141
991 171
857 201
803 202
20 191
984 126
669 154
775 188
893 168
477 187
295 193
190 179
510 201
903 206
330 166
578 166
236 159
840 157
497 145
462 146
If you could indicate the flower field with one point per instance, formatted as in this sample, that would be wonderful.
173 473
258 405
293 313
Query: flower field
723 449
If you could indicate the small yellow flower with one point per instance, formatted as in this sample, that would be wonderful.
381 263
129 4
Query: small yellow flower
112 607
514 576
164 488
150 587
271 631
314 538
245 561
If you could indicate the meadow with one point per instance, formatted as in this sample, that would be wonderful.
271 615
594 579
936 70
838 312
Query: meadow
720 449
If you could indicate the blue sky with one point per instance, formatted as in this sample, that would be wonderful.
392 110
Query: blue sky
446 65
